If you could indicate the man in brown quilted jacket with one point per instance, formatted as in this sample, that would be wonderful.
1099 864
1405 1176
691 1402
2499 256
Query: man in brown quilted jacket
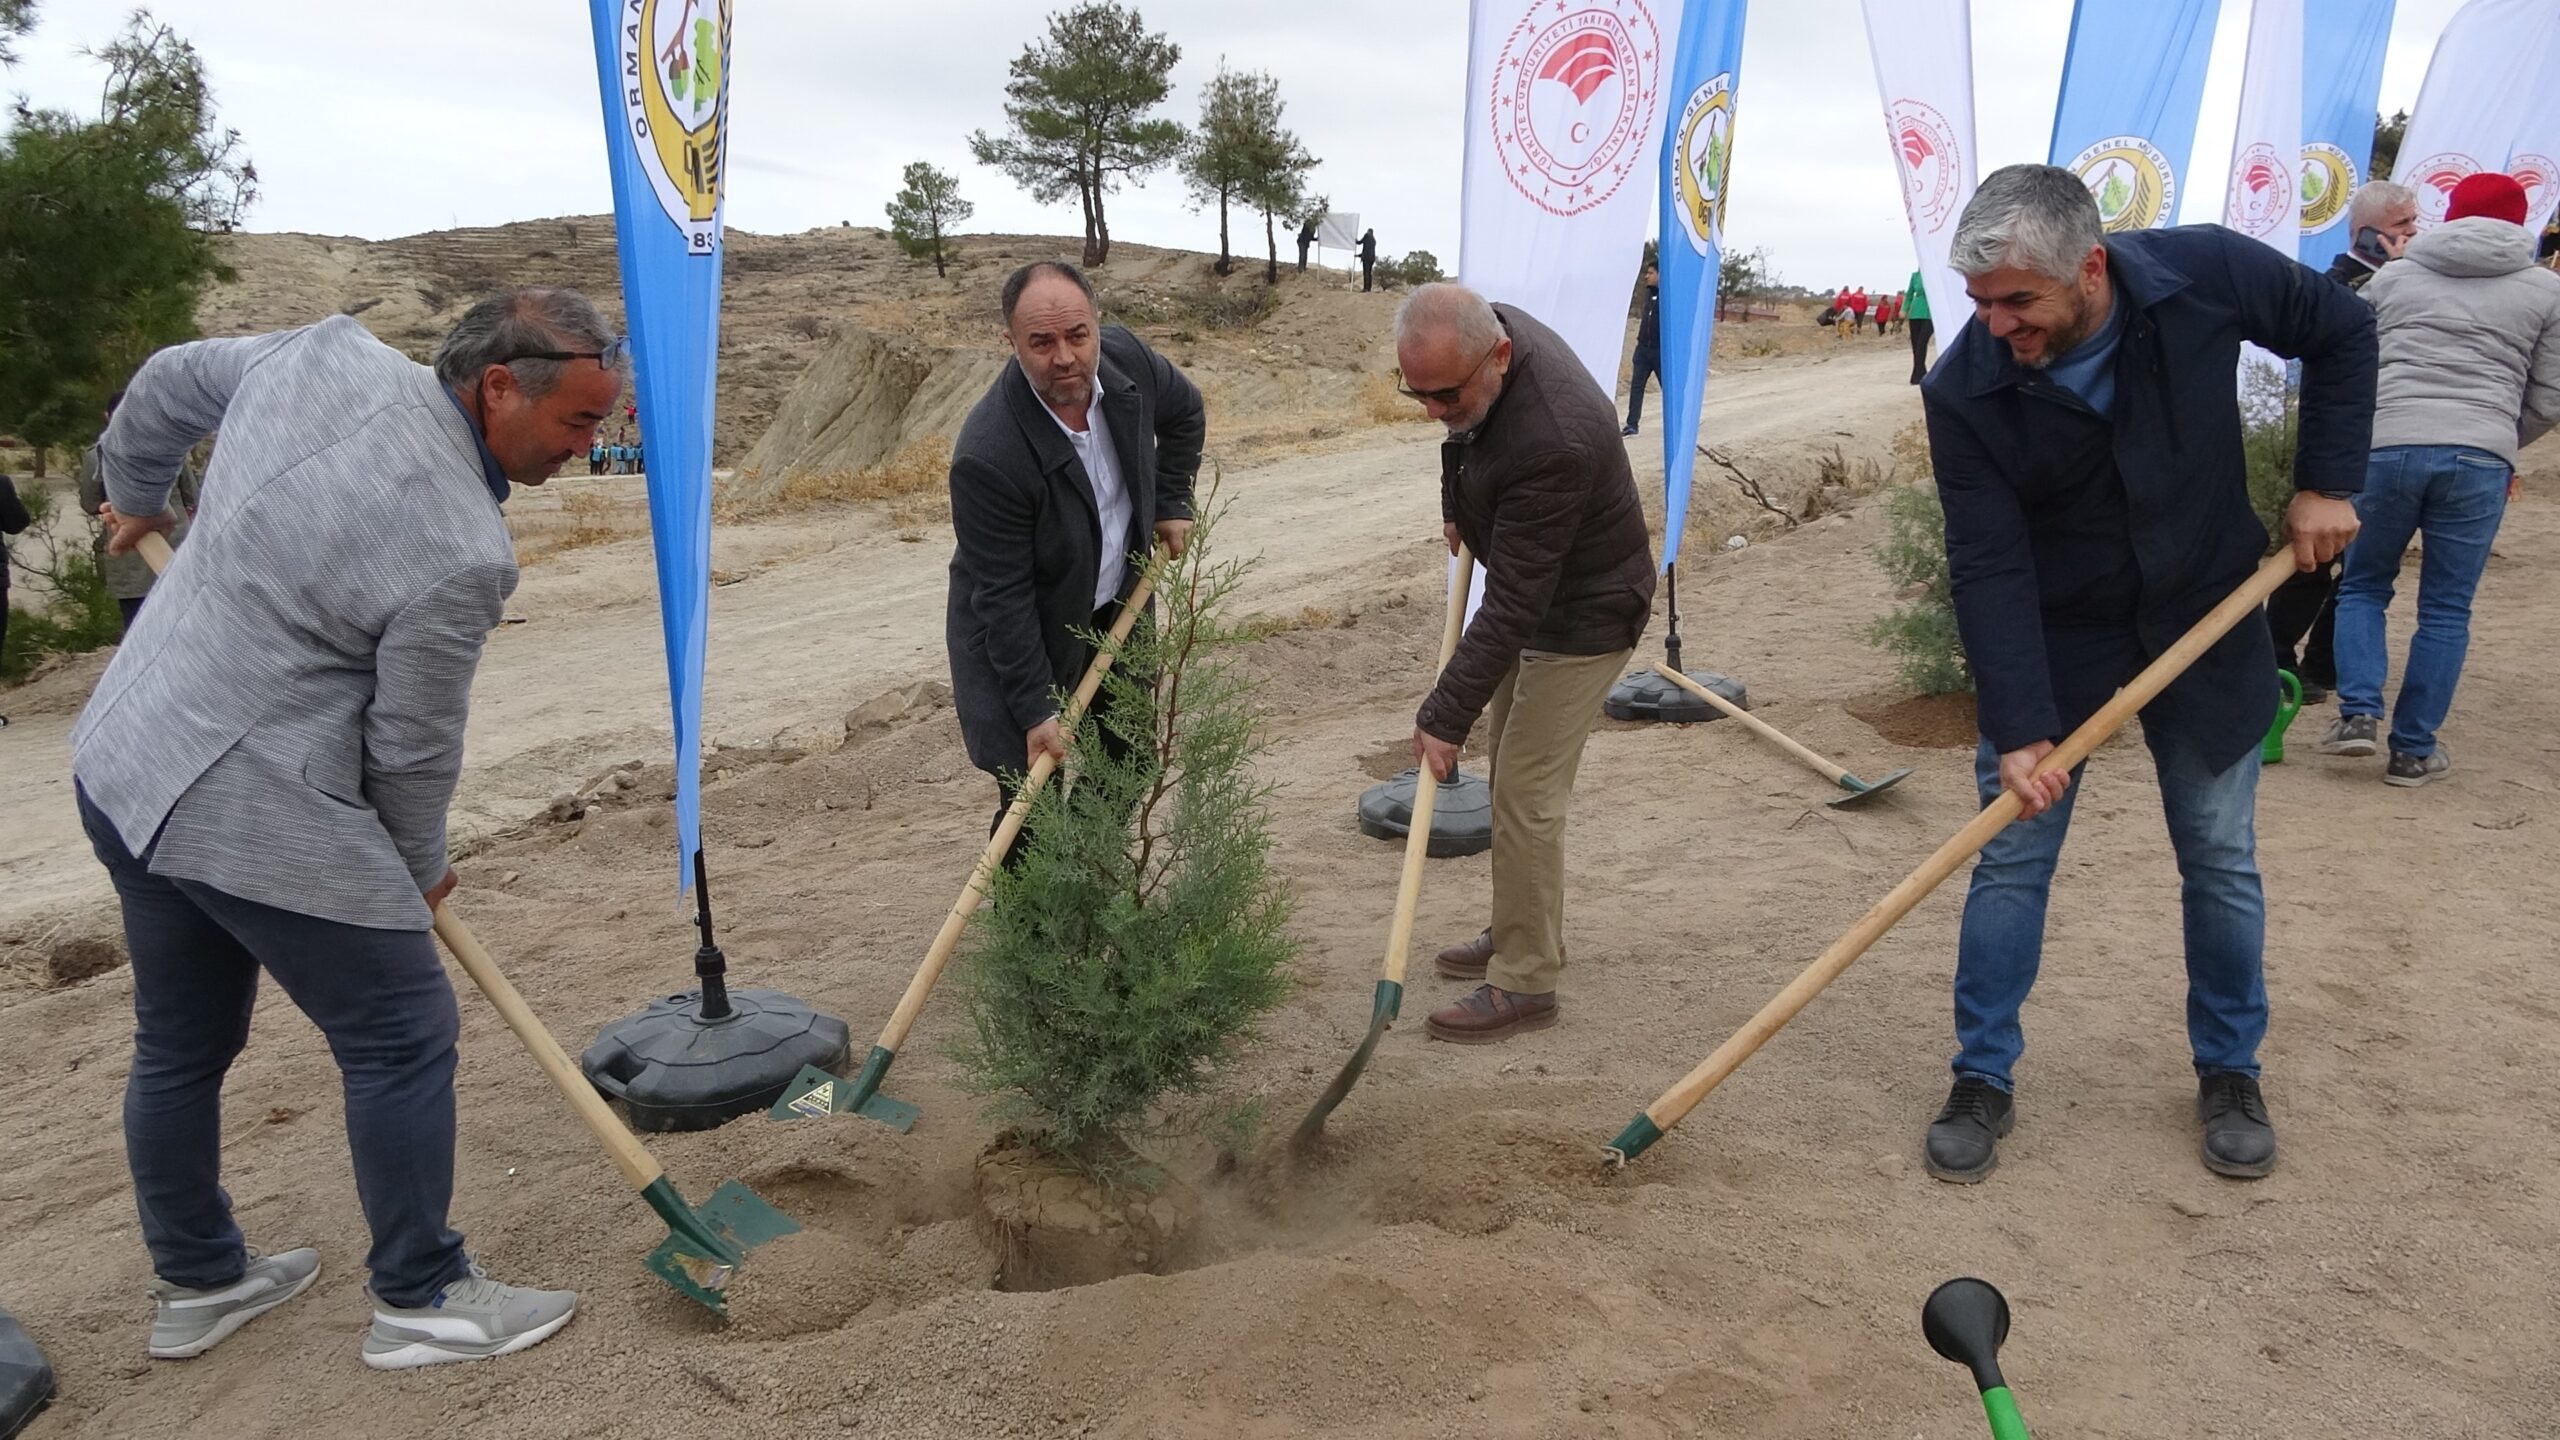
1534 479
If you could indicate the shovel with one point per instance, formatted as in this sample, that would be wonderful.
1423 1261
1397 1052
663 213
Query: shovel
1417 847
1965 1321
815 1092
1858 789
704 1247
1680 1099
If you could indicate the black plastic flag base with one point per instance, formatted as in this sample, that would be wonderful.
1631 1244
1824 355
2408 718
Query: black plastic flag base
1646 695
671 1069
1461 817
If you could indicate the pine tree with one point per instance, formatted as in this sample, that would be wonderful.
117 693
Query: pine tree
925 210
1078 104
1142 936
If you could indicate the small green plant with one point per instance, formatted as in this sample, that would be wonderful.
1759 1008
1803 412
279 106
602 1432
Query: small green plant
80 615
1142 936
1921 631
2270 420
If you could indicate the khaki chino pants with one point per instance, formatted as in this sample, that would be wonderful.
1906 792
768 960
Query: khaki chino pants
1538 721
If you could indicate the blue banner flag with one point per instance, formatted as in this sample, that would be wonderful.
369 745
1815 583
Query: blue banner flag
1697 176
2342 45
2132 81
663 68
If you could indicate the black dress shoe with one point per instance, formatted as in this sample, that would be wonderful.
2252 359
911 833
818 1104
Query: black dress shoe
1964 1141
2239 1139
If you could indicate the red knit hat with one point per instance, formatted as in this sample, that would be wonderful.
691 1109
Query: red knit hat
2488 193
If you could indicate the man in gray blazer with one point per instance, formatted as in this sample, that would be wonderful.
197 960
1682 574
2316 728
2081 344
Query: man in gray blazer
1084 448
264 771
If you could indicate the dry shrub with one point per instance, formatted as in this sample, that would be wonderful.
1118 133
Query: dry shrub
913 483
1270 623
1759 349
584 518
1382 405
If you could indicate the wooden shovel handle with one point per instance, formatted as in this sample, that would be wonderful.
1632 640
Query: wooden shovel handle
947 939
1762 728
1426 788
1680 1099
154 549
629 1156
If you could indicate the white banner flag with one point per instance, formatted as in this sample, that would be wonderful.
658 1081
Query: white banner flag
1339 230
2472 110
2534 159
2263 197
1923 53
1564 123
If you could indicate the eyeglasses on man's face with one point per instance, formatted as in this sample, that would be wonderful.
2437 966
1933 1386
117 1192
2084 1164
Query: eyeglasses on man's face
1450 395
612 355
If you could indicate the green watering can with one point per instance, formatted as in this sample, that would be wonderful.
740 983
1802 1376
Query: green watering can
2271 750
1965 1321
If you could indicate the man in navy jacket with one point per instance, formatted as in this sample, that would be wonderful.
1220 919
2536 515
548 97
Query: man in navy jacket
2085 431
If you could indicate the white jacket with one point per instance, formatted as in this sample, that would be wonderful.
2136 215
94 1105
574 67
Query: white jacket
2470 340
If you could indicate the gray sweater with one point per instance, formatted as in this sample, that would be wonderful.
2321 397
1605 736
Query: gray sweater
2470 341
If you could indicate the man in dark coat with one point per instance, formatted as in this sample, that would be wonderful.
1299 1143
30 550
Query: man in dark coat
2086 438
1648 356
1368 257
1535 481
1077 458
1306 239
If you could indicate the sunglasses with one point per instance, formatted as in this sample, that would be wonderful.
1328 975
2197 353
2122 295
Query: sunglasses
1450 395
611 356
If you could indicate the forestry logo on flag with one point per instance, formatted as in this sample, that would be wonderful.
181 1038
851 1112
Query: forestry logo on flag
2261 189
1705 157
1573 100
2131 179
2328 179
1932 161
675 97
2535 173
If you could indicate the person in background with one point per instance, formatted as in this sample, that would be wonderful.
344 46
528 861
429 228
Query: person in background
2382 218
1840 313
129 577
2470 374
1858 310
1368 258
1306 239
1915 312
14 520
1648 356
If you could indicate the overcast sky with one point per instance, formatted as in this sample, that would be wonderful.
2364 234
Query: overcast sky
381 120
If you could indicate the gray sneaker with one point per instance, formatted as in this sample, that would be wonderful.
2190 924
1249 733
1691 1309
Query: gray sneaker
474 1318
187 1322
2411 771
2351 735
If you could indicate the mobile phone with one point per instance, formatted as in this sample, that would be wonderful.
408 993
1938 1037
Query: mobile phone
2368 243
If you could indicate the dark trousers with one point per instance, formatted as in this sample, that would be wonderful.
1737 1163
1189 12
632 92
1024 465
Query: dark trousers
381 999
1921 330
2303 617
130 608
1114 744
1366 266
1647 366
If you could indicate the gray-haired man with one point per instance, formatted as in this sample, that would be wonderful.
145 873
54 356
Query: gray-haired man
2382 218
264 771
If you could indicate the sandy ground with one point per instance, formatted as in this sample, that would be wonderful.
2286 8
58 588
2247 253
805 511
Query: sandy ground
1456 1264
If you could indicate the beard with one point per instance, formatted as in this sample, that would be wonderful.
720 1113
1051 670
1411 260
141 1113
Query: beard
2062 339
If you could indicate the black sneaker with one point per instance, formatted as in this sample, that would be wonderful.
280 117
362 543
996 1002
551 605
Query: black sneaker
1964 1141
1630 430
2351 735
2411 771
2239 1139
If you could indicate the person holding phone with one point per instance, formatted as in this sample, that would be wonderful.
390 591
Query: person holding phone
2382 218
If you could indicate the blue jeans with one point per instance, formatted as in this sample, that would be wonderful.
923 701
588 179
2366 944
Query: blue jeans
2456 496
2213 827
381 999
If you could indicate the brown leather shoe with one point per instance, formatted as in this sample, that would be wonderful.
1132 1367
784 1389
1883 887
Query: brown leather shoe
1466 960
1488 1014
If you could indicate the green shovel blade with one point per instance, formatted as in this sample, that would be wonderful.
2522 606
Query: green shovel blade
814 1092
1382 1012
705 1246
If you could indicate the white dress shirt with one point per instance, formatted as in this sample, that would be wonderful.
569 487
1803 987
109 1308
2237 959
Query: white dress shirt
1110 496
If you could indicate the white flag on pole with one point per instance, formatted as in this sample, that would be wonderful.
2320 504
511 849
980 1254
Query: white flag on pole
1923 52
1338 230
1564 123
2473 107
2263 198
2534 159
